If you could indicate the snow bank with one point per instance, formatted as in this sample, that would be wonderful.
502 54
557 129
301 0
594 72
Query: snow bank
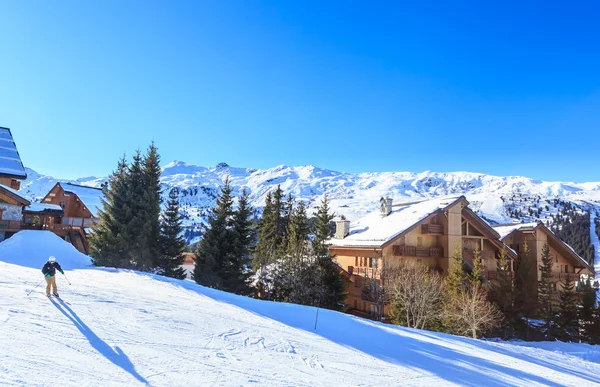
32 249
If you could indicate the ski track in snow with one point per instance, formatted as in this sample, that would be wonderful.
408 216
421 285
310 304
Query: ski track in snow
121 328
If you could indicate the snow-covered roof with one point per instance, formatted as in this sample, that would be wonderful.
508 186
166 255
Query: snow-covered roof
90 196
15 193
505 229
42 207
10 161
374 230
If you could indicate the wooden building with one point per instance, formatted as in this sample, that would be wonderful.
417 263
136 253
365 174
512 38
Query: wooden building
566 262
12 171
426 232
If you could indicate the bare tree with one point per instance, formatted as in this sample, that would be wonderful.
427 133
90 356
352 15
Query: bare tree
471 313
416 294
380 281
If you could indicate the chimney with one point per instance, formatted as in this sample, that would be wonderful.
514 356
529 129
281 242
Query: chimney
385 206
342 228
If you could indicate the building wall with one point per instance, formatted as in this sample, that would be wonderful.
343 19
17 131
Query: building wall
72 206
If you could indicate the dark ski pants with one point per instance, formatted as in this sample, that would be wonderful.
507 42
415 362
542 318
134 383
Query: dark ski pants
51 281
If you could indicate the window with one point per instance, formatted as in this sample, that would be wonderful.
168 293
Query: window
372 262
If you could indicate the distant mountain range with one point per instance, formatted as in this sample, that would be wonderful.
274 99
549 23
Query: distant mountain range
499 199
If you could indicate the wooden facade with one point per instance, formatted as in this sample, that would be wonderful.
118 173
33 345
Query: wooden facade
430 242
76 212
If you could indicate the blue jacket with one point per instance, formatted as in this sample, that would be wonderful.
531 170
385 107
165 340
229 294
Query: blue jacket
50 268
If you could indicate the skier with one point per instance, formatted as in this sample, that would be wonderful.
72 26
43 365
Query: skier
49 271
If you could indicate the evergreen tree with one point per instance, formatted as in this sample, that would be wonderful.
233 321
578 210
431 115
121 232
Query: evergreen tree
215 251
547 293
478 269
456 275
153 199
586 312
172 244
243 236
526 287
502 293
332 292
141 256
110 241
268 246
567 309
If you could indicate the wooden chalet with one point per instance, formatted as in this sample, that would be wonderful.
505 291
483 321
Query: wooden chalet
566 262
12 173
427 232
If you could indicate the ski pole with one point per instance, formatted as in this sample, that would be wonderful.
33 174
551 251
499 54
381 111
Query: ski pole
35 287
66 278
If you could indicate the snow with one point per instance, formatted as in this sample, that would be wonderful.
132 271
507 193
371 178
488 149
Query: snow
32 249
123 328
14 192
41 207
91 197
10 161
374 230
506 229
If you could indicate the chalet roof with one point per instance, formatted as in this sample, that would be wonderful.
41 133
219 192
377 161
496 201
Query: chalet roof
16 195
90 196
506 230
10 161
44 207
375 230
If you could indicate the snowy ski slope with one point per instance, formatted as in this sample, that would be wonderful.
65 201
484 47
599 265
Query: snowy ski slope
122 328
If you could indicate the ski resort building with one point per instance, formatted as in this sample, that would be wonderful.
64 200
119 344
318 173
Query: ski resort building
567 264
12 172
426 232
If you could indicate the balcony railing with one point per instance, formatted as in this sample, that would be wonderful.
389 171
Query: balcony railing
369 272
493 275
469 255
412 251
569 276
435 229
10 224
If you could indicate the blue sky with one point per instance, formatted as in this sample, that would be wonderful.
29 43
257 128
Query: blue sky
505 88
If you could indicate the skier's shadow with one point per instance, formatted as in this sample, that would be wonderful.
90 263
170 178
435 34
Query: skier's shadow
115 356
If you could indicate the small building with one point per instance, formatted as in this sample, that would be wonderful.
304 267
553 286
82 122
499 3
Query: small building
566 262
79 203
12 204
12 171
426 232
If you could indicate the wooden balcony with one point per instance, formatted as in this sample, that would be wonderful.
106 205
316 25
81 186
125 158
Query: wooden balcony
469 255
6 225
493 275
412 251
433 229
369 272
574 277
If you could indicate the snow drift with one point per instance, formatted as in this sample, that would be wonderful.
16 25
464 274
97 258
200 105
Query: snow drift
123 328
32 249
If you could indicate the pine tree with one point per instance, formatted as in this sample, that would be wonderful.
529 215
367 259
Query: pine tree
243 236
586 312
267 248
567 312
142 258
331 293
172 244
526 288
478 269
547 293
110 241
215 249
456 275
502 293
153 198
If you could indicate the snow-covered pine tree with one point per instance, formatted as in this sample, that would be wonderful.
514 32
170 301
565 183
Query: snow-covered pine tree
332 292
567 312
215 249
110 241
243 236
151 170
547 293
172 244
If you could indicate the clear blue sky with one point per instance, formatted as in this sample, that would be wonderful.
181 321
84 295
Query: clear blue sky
504 88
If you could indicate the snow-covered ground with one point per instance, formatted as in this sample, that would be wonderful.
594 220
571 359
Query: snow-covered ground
123 328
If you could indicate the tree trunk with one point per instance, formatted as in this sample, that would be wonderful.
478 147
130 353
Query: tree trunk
474 333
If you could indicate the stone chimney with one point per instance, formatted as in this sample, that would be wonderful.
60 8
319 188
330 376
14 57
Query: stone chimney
342 228
385 206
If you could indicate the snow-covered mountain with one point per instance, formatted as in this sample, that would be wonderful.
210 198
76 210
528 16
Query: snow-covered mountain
499 199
